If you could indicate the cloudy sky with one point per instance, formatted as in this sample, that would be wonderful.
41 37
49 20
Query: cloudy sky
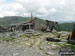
55 10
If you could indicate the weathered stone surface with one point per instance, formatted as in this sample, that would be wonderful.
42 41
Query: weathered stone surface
30 45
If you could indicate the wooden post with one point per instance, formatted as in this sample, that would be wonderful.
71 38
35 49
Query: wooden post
29 26
31 16
73 33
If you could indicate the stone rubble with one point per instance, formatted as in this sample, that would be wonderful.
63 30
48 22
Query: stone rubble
28 45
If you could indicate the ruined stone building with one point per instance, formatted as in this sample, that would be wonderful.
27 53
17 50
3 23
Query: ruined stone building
33 24
51 24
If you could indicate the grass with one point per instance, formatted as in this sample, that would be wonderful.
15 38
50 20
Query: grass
7 39
66 45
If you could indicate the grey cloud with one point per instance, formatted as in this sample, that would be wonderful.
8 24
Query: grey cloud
49 9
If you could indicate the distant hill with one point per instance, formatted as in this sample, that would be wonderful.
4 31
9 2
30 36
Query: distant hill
12 20
66 26
16 19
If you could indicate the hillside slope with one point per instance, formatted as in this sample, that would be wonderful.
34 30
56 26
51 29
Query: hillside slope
12 20
66 26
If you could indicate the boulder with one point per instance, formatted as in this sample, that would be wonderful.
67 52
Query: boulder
53 39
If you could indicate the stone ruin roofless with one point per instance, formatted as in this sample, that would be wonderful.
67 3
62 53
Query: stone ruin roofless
31 24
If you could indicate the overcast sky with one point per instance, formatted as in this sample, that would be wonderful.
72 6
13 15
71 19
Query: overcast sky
56 10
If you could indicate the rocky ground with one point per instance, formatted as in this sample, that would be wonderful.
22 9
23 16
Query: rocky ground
21 44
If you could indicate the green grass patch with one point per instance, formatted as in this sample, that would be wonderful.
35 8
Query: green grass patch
66 45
